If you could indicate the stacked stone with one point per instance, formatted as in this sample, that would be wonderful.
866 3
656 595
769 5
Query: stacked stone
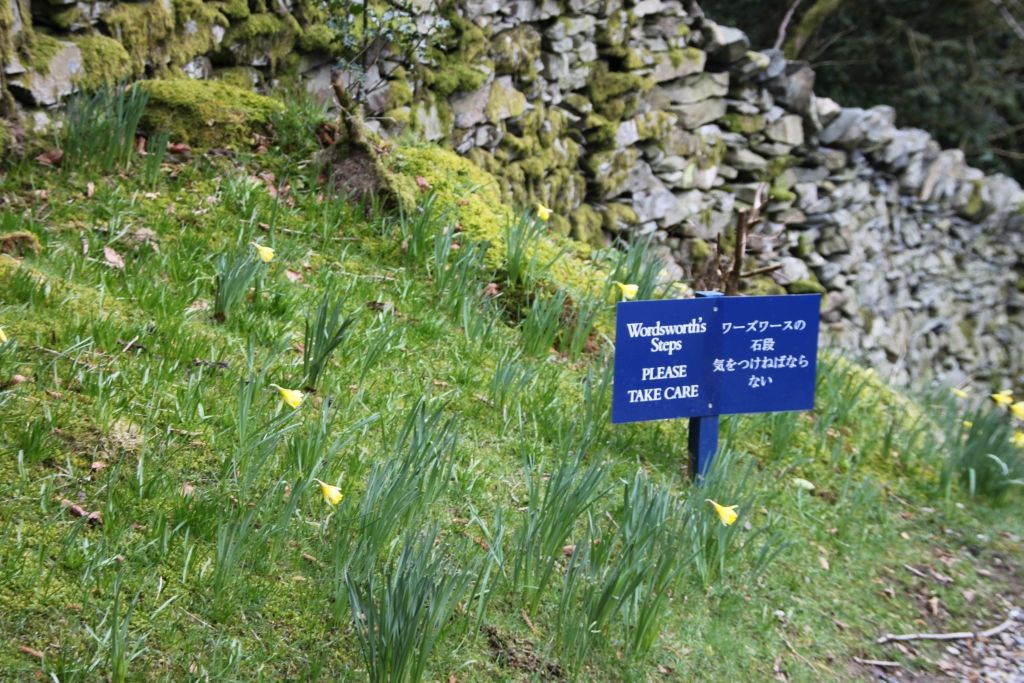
637 117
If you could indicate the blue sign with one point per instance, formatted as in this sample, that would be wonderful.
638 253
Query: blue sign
712 356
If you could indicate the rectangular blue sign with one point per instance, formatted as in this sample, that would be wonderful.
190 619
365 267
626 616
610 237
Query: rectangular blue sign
713 356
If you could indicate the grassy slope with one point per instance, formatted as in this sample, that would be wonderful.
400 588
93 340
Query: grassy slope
156 586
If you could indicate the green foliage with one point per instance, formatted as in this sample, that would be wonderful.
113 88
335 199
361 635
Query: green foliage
324 333
100 128
235 274
978 451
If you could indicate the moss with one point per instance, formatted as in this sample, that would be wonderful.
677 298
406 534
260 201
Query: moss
762 285
244 77
516 52
20 243
143 29
781 194
262 36
64 19
700 250
194 33
807 286
743 123
455 77
610 168
502 103
44 48
104 61
401 91
604 85
319 38
235 9
618 217
653 125
206 113
599 131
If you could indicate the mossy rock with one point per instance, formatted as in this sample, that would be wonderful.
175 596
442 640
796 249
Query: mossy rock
474 198
586 225
808 286
262 38
319 38
244 77
206 113
143 28
104 61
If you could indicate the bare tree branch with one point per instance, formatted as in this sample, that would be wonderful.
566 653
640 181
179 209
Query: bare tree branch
781 38
1008 17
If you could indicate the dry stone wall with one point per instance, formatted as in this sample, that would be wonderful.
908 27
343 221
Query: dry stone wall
648 118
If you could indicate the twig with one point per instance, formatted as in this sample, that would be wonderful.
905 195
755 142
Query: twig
916 572
878 662
781 37
799 656
959 635
761 271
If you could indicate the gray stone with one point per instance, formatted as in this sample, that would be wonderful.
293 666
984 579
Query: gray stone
429 122
691 89
788 129
469 107
724 43
199 68
746 160
694 115
46 90
794 87
669 66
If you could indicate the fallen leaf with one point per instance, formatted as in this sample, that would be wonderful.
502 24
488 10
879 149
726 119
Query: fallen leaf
51 157
904 535
24 649
492 289
97 465
140 145
293 275
178 148
568 550
665 670
112 258
187 490
968 595
422 183
144 236
823 561
19 379
90 189
933 606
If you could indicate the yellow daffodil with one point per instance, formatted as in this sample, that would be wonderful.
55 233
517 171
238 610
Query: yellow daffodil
1018 410
292 397
726 513
1018 439
628 291
332 494
3 337
1003 398
967 424
959 393
543 212
266 253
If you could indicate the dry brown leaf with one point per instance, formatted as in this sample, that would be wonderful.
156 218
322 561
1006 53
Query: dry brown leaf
187 490
293 275
178 148
968 595
90 189
18 379
665 670
140 145
112 258
422 183
97 465
51 157
823 561
568 550
31 652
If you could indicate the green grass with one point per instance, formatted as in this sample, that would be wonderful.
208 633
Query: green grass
495 525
